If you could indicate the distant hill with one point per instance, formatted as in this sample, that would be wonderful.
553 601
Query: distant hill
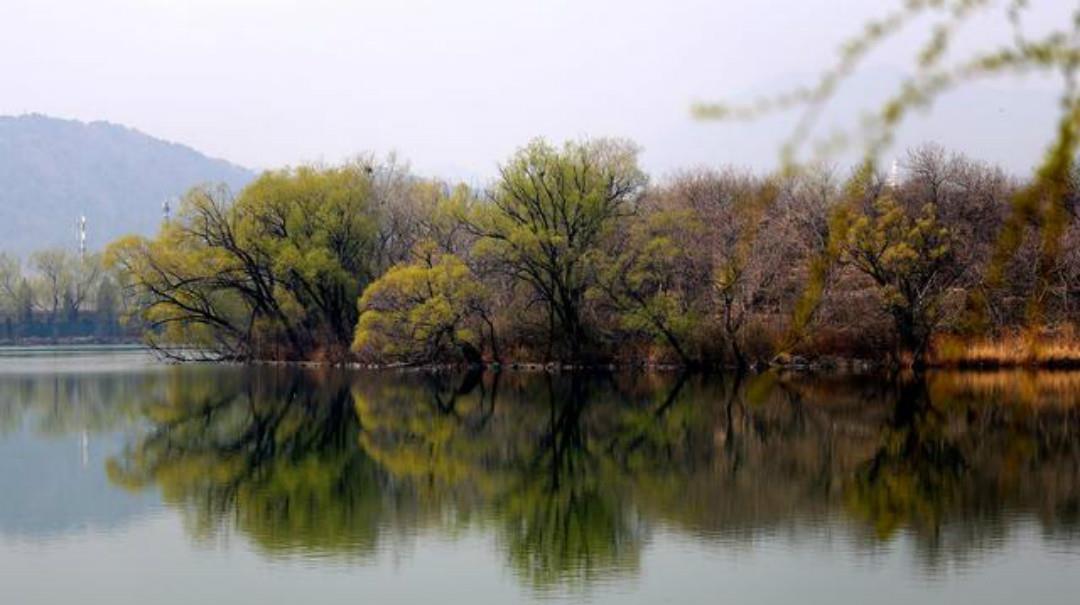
52 171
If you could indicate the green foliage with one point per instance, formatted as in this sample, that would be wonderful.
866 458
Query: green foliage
422 312
549 213
910 259
568 257
652 278
313 231
186 290
58 295
275 273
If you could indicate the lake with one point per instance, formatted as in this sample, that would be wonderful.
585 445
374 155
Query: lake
125 480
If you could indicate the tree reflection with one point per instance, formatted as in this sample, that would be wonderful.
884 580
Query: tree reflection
61 404
564 518
270 452
570 472
956 465
522 454
915 472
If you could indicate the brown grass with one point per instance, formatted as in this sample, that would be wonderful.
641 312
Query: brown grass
1023 386
1050 348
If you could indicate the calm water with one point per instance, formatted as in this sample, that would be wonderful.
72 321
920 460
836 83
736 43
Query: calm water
127 481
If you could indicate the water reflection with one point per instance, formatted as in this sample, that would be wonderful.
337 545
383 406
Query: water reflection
56 431
522 452
269 454
571 476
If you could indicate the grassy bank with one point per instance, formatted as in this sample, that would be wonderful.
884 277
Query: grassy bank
1049 348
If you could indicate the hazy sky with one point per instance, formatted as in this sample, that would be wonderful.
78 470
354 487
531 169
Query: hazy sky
455 86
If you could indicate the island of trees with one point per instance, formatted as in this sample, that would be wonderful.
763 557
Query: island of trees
573 256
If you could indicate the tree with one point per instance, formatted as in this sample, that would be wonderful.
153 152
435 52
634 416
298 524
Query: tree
189 285
549 213
107 303
312 233
24 302
655 278
910 259
750 255
274 273
86 273
11 278
427 311
707 259
53 280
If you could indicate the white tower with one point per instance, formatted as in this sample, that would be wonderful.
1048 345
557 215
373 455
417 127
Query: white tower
894 175
81 226
166 209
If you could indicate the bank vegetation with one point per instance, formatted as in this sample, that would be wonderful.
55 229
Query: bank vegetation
572 255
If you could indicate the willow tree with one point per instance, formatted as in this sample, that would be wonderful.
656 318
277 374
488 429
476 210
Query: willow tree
424 312
314 230
909 257
656 282
273 273
548 214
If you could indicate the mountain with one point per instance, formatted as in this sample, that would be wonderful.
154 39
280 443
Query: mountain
52 171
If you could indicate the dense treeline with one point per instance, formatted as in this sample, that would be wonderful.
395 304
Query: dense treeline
572 255
60 295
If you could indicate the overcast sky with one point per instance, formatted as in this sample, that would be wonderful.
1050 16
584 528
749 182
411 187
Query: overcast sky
456 86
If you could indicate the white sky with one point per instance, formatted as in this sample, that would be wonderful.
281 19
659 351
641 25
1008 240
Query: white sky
455 86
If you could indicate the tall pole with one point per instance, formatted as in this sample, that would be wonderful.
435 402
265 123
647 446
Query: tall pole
894 175
80 226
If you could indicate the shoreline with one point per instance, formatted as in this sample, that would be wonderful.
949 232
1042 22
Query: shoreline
1010 353
846 366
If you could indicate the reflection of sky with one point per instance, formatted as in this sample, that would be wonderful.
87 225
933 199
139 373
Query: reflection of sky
69 361
52 475
57 485
152 561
